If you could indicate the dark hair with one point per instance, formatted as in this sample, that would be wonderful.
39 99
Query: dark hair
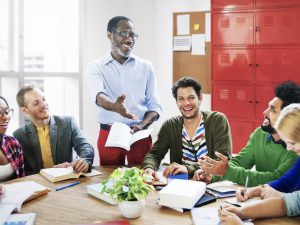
4 101
21 93
184 83
288 92
113 22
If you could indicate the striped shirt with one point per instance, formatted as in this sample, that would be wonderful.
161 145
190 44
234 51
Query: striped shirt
195 148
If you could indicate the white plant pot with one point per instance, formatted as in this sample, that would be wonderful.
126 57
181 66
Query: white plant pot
132 209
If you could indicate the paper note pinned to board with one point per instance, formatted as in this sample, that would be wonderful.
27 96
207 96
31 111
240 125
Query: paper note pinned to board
196 26
182 43
198 44
183 24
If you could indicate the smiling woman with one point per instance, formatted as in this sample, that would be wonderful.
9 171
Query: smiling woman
11 153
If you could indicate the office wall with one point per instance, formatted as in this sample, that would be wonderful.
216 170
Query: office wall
153 23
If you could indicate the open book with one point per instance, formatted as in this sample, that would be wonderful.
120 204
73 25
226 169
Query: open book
120 136
59 174
19 192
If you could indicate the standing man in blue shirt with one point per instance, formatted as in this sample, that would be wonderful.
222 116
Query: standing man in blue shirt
123 86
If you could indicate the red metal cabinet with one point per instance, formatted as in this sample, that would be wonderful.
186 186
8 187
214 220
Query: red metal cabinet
263 95
232 64
254 48
234 100
278 27
240 132
232 29
232 4
276 3
277 64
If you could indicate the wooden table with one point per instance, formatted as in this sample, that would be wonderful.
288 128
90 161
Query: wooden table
74 206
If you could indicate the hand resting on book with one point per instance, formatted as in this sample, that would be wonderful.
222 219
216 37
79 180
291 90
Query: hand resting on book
78 165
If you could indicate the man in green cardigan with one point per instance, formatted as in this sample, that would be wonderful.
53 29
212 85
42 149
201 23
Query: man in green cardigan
190 136
264 149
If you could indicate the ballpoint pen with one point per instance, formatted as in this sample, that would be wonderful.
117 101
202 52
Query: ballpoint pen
246 185
67 185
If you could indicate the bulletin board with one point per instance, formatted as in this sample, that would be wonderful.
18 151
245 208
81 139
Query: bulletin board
187 64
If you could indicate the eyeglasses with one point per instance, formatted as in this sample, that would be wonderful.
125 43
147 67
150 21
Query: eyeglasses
8 111
127 34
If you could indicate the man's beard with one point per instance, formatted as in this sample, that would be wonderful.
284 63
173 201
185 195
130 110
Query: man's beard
268 128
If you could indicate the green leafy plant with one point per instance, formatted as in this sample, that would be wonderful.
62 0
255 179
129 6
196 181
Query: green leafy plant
127 184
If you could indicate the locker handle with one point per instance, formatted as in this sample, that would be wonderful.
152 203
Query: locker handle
256 102
257 28
257 65
250 101
250 64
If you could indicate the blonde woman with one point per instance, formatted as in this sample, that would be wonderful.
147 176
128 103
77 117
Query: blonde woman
283 194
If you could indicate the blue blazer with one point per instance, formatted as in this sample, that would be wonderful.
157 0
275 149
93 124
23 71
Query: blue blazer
65 136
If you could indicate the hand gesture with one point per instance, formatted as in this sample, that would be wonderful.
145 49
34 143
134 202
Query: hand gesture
214 167
136 128
200 175
174 168
121 108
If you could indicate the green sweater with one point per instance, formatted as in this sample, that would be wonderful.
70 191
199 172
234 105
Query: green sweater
217 134
270 159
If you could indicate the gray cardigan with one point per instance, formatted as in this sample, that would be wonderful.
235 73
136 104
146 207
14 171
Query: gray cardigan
64 136
217 134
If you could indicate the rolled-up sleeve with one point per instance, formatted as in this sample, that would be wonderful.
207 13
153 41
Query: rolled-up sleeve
292 203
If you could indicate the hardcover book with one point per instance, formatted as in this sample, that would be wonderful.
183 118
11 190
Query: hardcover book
181 193
95 190
20 219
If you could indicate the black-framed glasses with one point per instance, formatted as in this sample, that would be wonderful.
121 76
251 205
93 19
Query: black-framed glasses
127 34
8 111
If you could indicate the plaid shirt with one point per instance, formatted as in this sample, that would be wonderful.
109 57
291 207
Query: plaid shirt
14 153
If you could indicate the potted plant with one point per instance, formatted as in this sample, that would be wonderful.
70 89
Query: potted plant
129 186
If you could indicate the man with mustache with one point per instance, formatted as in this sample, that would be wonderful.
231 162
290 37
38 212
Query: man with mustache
48 140
264 150
123 87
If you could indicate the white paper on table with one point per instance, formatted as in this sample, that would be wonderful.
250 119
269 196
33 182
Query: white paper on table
198 44
182 43
183 24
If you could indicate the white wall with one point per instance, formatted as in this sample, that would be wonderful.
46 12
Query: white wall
153 23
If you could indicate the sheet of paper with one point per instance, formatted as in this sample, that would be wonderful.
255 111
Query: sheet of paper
207 27
182 43
5 211
140 135
183 24
198 44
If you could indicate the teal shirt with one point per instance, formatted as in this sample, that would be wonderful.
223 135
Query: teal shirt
292 203
270 159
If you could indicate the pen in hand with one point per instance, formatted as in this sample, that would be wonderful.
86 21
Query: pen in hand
246 186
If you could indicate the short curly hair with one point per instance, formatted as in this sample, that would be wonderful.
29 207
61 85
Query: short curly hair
184 83
288 92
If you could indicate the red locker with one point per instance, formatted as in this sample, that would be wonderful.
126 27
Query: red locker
276 3
241 132
263 95
277 64
253 50
232 29
234 100
278 27
232 64
232 4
